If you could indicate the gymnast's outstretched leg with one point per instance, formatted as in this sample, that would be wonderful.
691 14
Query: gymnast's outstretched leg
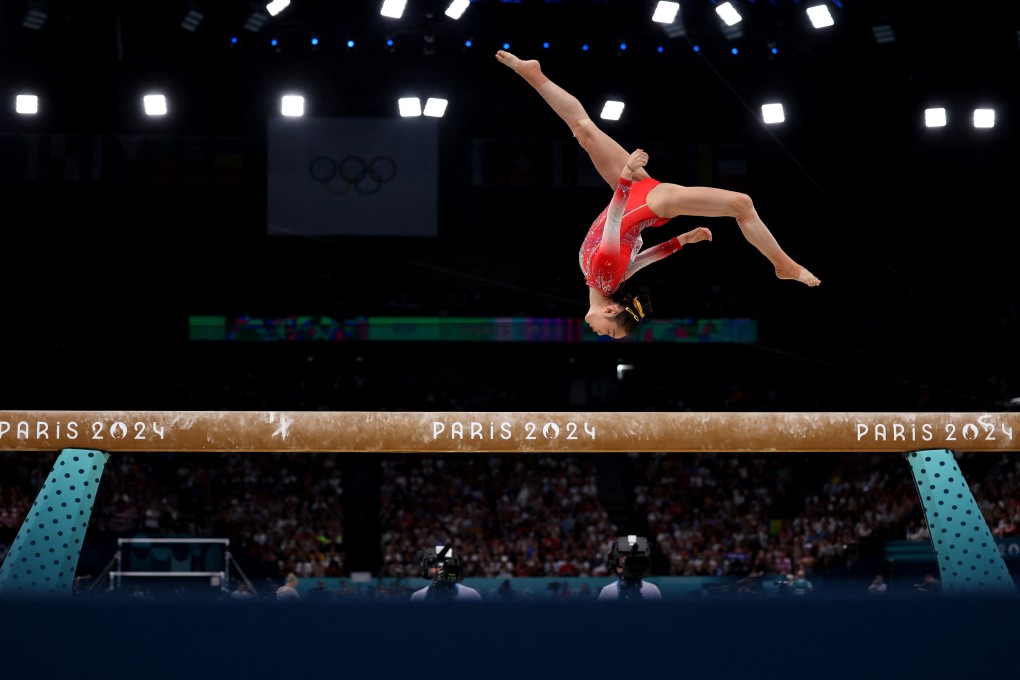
607 155
671 200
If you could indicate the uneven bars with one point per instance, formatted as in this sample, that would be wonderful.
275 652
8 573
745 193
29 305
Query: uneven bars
564 432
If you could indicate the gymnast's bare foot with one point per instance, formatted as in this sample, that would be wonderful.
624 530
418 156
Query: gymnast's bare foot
510 60
524 67
795 272
527 69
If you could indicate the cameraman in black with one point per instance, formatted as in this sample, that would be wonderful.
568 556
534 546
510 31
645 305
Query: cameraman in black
446 572
631 559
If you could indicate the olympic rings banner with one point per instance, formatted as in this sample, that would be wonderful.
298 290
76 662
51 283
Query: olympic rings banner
352 177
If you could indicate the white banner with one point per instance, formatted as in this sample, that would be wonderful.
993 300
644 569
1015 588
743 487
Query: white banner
352 176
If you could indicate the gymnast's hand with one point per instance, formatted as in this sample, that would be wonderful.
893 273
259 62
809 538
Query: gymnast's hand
694 235
637 160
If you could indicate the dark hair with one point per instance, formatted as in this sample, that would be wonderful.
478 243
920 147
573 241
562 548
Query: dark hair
635 309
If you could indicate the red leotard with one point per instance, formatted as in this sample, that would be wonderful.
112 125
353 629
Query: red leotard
614 239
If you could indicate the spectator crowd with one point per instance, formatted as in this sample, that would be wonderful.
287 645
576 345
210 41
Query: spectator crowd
524 515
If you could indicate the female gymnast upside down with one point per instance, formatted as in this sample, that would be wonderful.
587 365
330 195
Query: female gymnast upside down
611 253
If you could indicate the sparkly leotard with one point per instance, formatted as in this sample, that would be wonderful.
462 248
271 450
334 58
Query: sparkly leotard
614 239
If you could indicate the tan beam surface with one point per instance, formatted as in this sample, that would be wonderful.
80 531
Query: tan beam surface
320 431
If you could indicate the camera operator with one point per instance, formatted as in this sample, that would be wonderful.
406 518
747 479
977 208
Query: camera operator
631 559
446 572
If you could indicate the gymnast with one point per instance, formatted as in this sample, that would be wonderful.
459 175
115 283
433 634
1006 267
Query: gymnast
611 253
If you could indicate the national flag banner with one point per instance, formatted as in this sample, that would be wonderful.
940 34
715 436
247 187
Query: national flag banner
703 161
66 157
564 163
352 177
29 152
488 168
101 158
732 167
588 176
45 158
196 160
131 158
228 160
164 158
8 156
522 162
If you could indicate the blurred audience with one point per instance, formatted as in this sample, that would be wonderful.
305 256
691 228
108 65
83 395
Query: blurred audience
519 515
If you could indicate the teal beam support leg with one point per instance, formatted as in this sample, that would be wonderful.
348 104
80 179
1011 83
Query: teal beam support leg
968 558
44 556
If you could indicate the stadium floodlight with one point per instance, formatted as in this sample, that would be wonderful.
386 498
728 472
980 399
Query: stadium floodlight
935 117
820 16
883 33
665 12
394 9
984 118
772 114
457 8
154 104
35 15
435 107
670 15
192 20
277 6
728 13
255 21
26 104
292 105
409 107
612 110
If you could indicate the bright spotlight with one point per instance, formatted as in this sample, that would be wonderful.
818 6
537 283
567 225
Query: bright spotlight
435 107
935 117
292 105
665 12
820 16
26 104
984 118
611 110
277 6
155 104
728 13
456 9
393 9
772 113
409 106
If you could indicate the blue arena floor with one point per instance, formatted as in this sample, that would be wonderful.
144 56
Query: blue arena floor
823 637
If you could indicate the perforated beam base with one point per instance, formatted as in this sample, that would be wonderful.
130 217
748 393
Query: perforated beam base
968 558
44 556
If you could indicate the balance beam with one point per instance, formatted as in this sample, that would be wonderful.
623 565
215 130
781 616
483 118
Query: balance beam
563 432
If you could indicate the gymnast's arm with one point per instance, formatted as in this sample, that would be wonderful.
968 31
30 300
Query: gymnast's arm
609 247
667 248
653 254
